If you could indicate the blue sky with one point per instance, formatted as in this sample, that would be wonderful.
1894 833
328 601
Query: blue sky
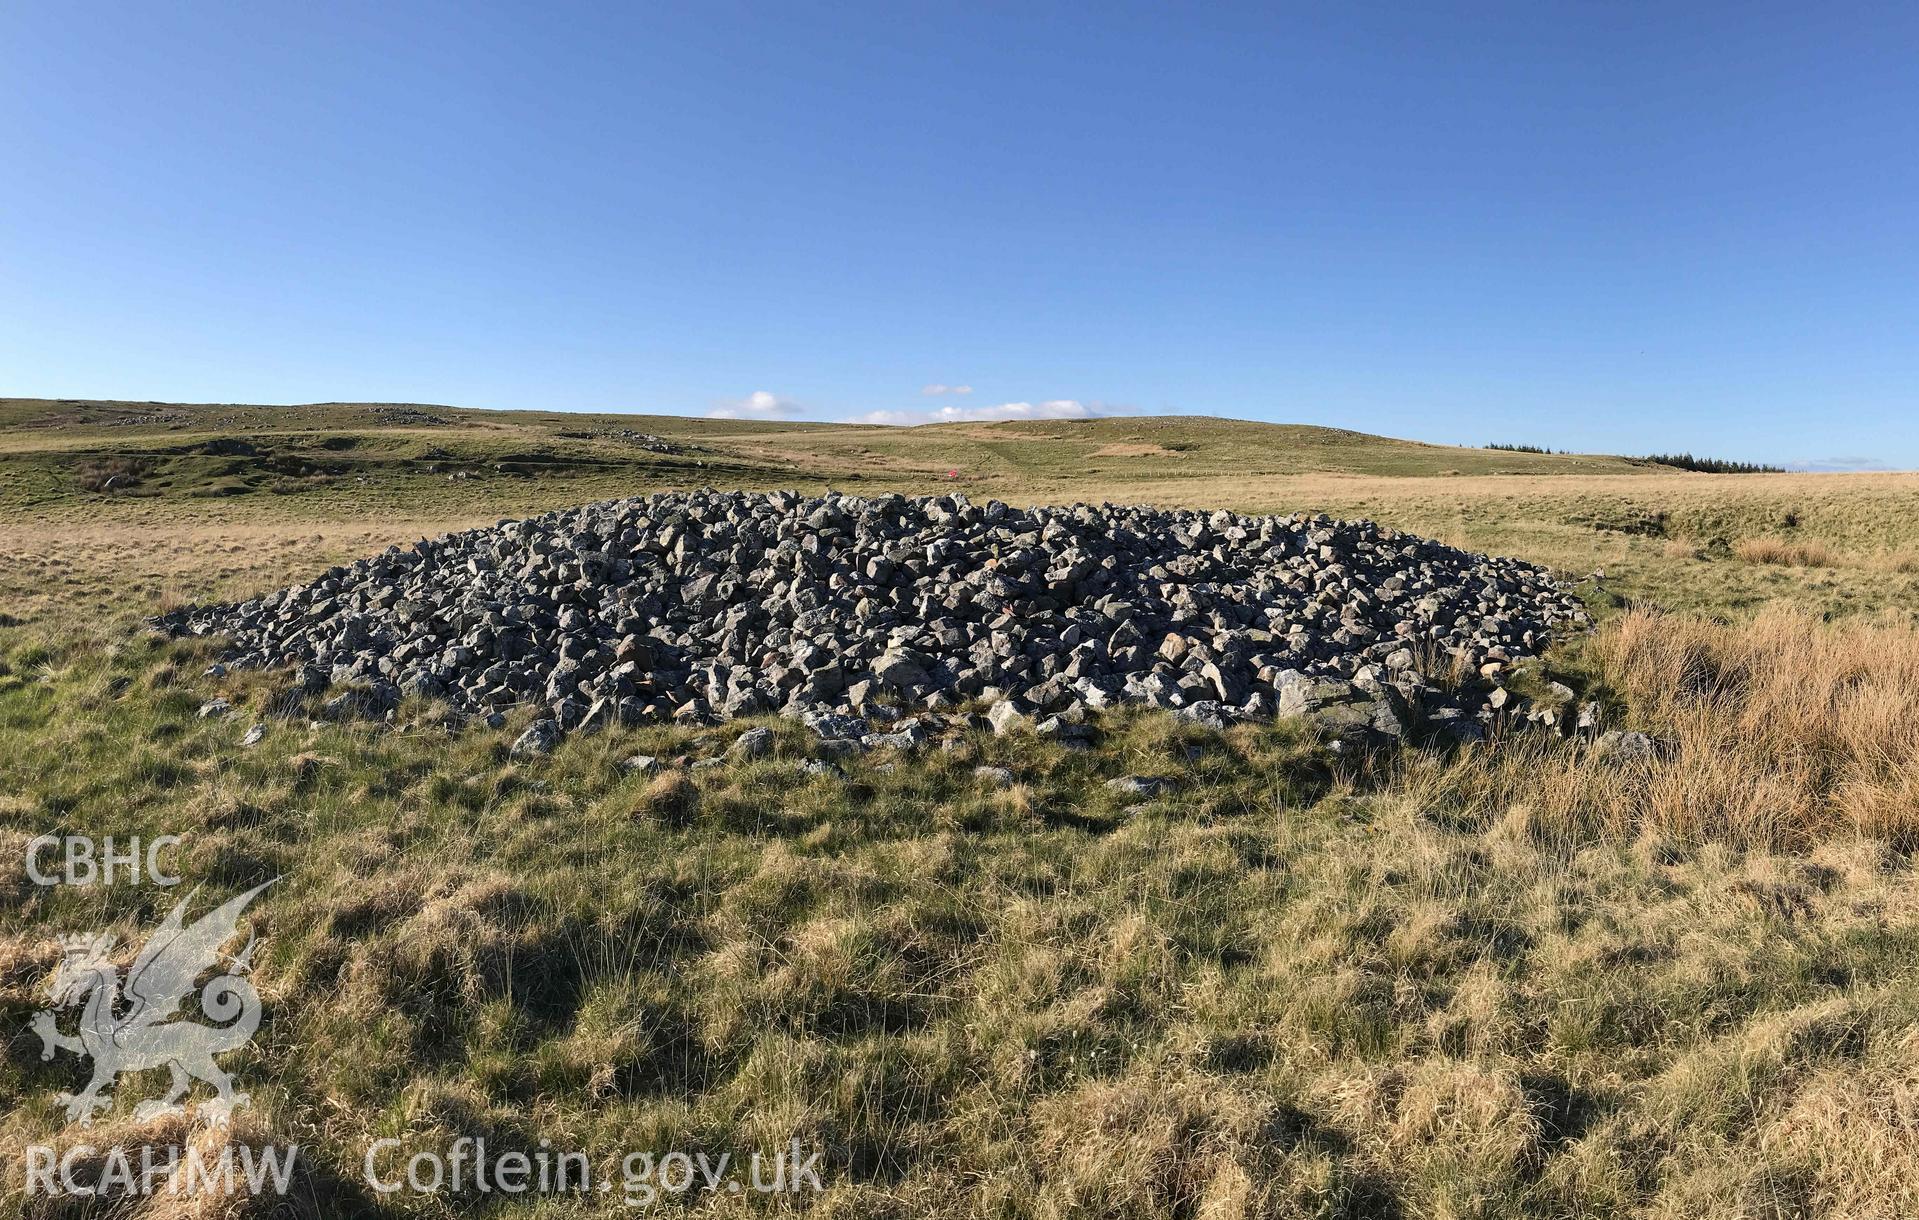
1617 227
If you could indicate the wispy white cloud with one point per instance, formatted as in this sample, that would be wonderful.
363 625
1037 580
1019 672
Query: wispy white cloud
760 404
936 389
1835 464
899 419
1057 408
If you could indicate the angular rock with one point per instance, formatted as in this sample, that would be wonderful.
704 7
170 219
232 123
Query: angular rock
1625 746
1208 712
540 738
835 724
754 743
1005 718
700 606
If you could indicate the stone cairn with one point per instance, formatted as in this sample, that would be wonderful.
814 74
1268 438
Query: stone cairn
872 618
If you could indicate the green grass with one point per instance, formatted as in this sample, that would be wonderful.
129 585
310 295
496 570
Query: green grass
1658 535
1279 984
1293 984
334 449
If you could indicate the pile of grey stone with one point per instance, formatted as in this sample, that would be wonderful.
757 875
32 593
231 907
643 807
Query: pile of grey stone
858 614
648 442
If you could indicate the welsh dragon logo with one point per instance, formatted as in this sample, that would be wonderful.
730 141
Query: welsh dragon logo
135 1032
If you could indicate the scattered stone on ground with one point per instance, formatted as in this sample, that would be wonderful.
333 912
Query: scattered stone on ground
1005 717
861 616
1137 785
754 743
540 738
1627 746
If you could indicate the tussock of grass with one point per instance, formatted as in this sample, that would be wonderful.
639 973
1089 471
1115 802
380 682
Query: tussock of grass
1679 548
1900 561
106 474
1780 731
1516 981
1785 553
1292 987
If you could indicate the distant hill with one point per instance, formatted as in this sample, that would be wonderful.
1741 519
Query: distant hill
365 436
1177 445
222 475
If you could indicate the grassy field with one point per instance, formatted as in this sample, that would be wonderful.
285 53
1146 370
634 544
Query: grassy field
1509 981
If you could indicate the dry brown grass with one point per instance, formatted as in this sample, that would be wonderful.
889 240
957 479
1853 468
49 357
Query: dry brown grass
110 474
1522 981
1781 731
1679 548
102 571
112 552
1273 992
1785 553
1198 1147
